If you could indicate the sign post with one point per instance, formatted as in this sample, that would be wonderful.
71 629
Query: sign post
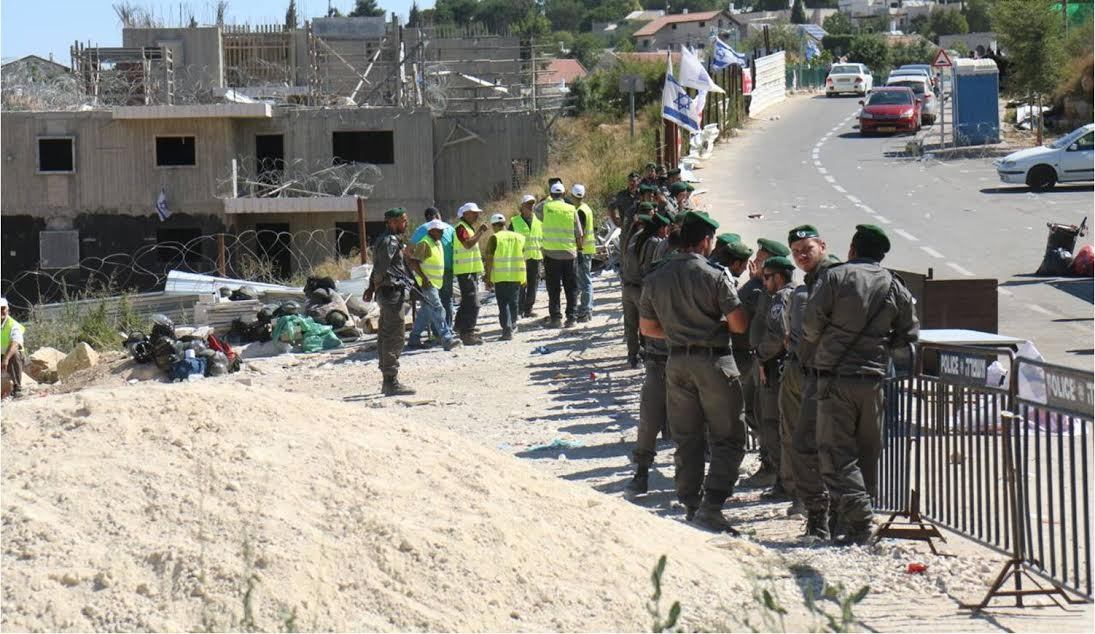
941 63
632 84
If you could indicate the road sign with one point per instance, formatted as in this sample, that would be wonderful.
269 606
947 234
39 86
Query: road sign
632 83
942 60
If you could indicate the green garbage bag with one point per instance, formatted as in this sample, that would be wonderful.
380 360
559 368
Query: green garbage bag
304 334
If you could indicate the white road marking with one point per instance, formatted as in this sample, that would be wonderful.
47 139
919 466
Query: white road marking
960 270
823 170
830 179
1004 291
932 252
883 219
865 208
905 234
853 199
840 189
1038 309
817 163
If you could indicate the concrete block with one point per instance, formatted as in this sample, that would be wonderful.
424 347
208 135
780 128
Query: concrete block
82 357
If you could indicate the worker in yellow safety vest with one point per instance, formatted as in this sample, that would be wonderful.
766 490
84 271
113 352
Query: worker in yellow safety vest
527 224
427 261
11 344
506 272
562 240
467 265
588 248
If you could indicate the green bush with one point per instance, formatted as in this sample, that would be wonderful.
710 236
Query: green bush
97 325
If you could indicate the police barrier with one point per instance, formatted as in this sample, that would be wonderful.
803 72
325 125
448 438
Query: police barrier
957 455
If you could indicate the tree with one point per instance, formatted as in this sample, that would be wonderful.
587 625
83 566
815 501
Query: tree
869 49
978 15
798 13
534 24
414 16
366 9
565 15
291 21
1030 32
587 49
770 5
838 24
454 11
948 22
919 52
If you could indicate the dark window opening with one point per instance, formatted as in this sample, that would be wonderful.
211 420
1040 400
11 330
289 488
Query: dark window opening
175 151
373 146
269 159
703 24
346 240
178 247
274 248
56 155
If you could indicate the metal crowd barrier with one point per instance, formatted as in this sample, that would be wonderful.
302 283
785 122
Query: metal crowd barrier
968 439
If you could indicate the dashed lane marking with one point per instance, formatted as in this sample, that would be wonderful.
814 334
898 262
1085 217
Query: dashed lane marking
1004 291
932 252
840 189
855 201
905 234
960 269
884 220
822 170
1038 309
830 179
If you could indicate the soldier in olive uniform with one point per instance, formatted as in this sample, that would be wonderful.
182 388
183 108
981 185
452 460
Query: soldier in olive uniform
857 312
631 277
798 405
689 302
390 284
652 412
751 293
766 337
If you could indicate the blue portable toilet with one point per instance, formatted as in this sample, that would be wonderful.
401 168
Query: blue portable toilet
976 102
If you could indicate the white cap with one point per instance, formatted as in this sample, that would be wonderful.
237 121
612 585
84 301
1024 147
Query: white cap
528 198
578 190
435 224
498 218
557 188
465 208
3 302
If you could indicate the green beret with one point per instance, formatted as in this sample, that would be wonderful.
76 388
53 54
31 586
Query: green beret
772 247
699 216
659 220
394 212
802 232
871 235
730 238
647 207
676 171
680 186
647 188
739 251
643 218
779 262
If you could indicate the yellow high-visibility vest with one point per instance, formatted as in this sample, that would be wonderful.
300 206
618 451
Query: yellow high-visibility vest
465 260
5 334
559 217
508 264
534 236
432 267
589 237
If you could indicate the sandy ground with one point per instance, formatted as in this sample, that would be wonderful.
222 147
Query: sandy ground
149 506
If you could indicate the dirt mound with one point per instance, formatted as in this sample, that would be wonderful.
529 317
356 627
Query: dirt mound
214 506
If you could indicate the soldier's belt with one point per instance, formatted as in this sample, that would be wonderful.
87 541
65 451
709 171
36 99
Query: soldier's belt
849 375
699 351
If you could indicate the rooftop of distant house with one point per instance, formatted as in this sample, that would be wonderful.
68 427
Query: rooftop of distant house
650 28
562 71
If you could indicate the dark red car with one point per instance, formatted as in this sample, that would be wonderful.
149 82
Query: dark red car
890 109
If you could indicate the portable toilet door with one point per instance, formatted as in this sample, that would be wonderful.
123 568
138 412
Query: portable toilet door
976 102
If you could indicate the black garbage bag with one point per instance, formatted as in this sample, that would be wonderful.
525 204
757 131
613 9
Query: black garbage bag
139 347
1057 261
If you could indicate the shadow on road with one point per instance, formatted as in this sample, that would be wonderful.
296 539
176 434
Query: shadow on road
1060 189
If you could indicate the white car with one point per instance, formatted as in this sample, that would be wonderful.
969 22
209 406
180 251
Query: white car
848 78
1069 159
922 88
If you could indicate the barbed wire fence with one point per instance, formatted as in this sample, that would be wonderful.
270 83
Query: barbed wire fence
277 257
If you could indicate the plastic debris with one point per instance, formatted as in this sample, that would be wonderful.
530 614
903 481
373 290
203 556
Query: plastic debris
916 568
756 216
541 350
558 443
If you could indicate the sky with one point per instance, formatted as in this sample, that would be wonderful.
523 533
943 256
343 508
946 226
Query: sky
42 27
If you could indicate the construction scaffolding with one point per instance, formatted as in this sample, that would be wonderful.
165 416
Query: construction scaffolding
125 76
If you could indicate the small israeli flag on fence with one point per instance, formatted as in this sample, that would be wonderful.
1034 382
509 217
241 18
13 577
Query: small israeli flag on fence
726 56
677 105
812 50
161 206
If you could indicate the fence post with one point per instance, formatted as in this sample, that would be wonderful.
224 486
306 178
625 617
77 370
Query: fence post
361 242
222 265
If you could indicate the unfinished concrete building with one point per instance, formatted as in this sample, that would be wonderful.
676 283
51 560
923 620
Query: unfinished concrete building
262 128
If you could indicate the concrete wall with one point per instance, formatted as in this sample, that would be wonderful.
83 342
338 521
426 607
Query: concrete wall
197 54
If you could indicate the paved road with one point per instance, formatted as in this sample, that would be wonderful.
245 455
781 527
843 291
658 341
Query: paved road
953 217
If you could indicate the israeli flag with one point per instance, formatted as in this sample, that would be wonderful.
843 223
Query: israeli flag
726 56
677 106
812 50
161 206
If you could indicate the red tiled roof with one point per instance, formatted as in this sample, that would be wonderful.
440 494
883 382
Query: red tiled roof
650 28
651 56
561 70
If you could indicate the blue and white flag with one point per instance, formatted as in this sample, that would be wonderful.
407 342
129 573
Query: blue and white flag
812 50
726 56
161 206
677 106
693 74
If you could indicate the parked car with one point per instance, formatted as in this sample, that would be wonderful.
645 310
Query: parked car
1069 159
921 87
845 78
889 109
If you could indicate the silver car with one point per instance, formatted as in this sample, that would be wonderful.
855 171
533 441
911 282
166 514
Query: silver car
922 88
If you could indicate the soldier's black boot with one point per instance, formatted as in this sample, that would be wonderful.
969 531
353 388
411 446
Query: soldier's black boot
639 483
709 515
817 524
392 387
